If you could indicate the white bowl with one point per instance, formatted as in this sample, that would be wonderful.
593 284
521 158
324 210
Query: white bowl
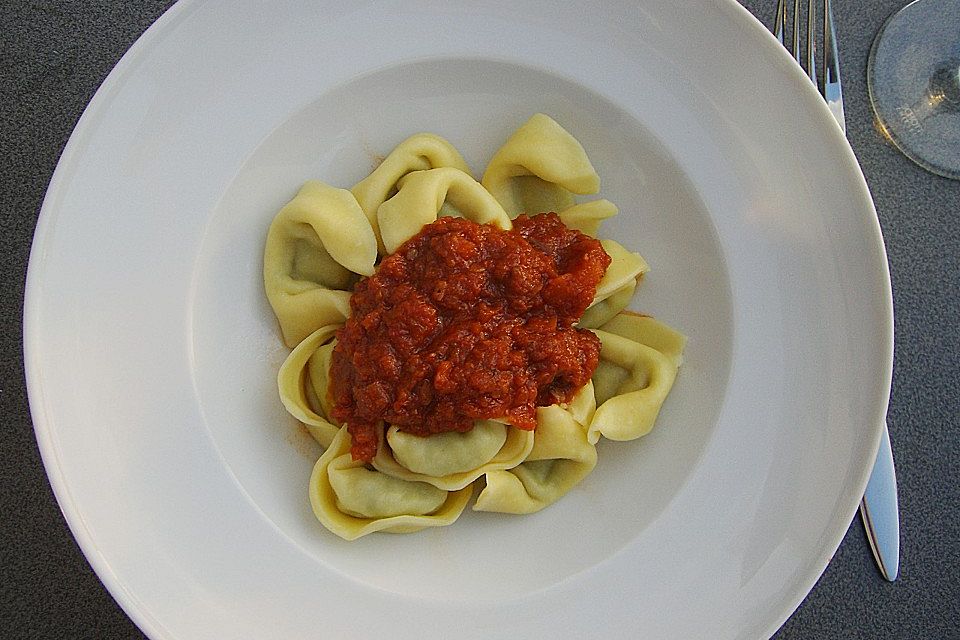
151 351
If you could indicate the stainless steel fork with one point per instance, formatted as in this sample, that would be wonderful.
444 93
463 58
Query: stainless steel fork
830 86
878 508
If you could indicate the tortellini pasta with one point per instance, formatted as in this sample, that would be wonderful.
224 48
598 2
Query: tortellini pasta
632 408
419 152
299 391
316 247
540 168
326 239
352 500
561 457
422 195
602 311
587 216
649 331
453 460
626 266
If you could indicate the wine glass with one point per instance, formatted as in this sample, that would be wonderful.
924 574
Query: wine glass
913 76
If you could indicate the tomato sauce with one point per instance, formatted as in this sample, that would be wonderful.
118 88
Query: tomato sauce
466 321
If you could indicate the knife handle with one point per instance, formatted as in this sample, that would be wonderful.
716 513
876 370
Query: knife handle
880 511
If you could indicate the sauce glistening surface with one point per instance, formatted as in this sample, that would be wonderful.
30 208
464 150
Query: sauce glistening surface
465 322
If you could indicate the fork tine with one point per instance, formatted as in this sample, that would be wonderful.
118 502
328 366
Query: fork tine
830 86
780 25
796 31
811 46
809 61
831 64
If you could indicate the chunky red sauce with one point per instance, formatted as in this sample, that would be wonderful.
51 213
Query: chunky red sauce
466 321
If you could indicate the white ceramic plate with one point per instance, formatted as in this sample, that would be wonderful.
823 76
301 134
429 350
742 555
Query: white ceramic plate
151 351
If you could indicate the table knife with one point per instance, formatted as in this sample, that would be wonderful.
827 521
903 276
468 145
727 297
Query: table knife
879 506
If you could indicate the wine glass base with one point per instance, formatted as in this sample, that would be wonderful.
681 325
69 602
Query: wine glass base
913 76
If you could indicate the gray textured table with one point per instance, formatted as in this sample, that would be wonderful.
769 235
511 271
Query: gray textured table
55 55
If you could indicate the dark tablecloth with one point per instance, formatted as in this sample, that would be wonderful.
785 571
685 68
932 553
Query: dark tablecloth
54 56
